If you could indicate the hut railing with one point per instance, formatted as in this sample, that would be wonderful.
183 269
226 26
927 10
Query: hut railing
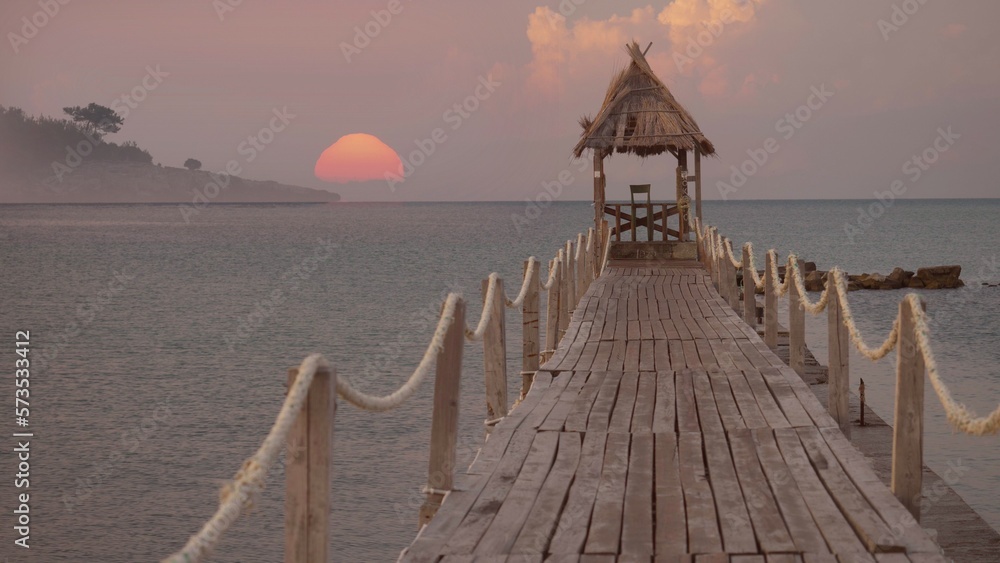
305 424
627 219
909 336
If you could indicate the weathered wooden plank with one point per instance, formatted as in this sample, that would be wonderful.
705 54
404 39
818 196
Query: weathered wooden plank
671 522
571 532
645 403
863 518
708 411
687 410
567 399
702 521
604 535
838 533
541 522
479 517
665 410
621 415
505 526
576 420
771 531
637 520
859 469
734 520
600 414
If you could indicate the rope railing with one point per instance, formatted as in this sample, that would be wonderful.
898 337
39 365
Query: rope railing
909 336
445 351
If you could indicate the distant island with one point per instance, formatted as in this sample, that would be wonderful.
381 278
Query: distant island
50 160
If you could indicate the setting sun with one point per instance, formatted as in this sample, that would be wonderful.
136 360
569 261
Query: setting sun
357 158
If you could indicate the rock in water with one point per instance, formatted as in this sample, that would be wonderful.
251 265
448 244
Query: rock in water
940 277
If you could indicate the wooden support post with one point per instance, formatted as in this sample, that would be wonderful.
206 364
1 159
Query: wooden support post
618 222
581 268
571 275
565 309
649 222
770 304
308 471
598 188
596 236
734 289
749 291
529 328
796 325
861 401
908 422
495 354
697 181
839 378
444 419
552 310
634 211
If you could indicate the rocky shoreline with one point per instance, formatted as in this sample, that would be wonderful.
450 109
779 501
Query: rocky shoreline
933 277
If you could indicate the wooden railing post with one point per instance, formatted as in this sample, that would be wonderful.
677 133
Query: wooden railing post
734 290
839 378
908 422
529 328
444 419
552 309
308 471
581 267
749 291
495 354
570 275
796 325
770 304
565 293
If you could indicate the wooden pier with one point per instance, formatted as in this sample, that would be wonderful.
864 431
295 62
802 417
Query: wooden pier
663 427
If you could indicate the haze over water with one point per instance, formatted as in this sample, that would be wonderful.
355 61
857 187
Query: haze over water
177 371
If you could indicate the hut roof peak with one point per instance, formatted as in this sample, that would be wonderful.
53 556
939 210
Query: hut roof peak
640 115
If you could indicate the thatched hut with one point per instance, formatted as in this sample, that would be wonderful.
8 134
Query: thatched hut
640 116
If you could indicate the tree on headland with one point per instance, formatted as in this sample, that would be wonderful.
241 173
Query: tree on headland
96 119
192 164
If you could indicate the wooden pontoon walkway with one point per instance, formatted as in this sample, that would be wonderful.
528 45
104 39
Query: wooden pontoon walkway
664 429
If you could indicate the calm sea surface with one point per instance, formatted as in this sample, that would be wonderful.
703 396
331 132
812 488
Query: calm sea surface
159 349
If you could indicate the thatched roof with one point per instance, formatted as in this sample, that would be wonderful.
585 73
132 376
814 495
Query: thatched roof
640 116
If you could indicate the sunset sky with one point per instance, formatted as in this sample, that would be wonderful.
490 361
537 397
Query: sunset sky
521 74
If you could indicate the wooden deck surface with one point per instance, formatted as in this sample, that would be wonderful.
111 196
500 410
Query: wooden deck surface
663 429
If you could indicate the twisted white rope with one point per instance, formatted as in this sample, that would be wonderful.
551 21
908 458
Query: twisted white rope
728 247
782 289
958 414
758 280
487 314
792 269
249 480
397 397
873 354
553 270
528 274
